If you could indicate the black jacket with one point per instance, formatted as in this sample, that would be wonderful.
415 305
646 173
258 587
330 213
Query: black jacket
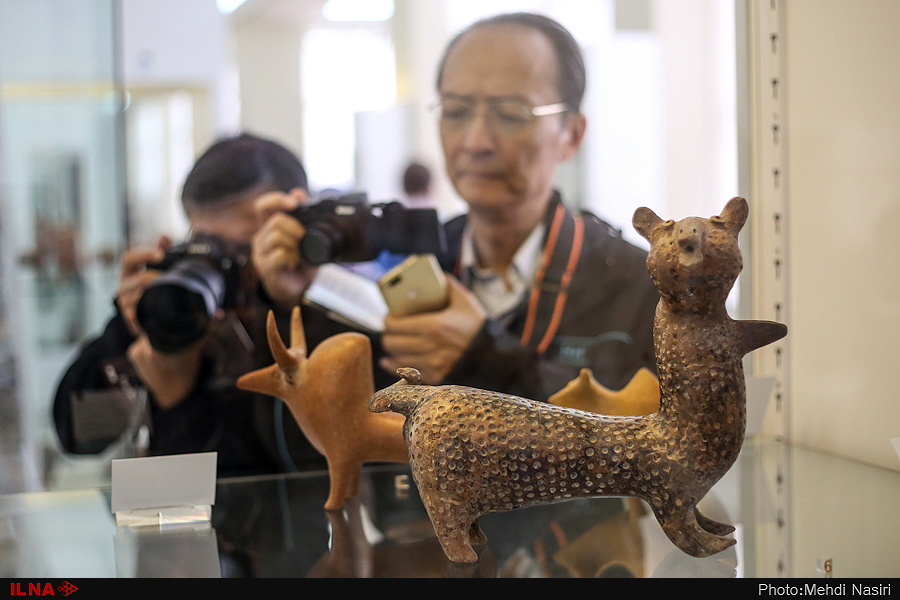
606 324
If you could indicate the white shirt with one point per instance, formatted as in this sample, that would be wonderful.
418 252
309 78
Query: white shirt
500 293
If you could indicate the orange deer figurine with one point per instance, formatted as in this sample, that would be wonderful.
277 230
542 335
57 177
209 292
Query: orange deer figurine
328 394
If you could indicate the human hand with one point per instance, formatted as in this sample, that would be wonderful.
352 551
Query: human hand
168 377
275 249
134 278
433 342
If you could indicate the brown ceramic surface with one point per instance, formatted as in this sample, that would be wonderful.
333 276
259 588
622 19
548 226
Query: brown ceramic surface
473 451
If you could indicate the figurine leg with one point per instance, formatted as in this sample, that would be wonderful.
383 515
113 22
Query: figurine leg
685 532
477 537
453 527
712 525
344 480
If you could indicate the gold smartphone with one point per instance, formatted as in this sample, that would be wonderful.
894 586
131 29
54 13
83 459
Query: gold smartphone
415 285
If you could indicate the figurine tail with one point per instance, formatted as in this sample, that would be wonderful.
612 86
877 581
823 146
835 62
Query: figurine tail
756 334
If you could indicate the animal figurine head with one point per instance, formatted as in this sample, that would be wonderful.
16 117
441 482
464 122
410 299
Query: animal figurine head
475 451
694 262
327 393
639 397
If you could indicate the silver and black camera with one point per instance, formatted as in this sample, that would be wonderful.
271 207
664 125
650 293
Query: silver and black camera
348 229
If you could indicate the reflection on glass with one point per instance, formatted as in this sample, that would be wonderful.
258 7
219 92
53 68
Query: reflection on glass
186 551
60 291
61 209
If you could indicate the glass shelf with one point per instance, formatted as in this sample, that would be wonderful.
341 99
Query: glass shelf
793 509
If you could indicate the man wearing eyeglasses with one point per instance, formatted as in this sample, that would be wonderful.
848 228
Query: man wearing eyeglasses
537 292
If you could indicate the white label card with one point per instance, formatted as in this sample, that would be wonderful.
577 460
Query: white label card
163 481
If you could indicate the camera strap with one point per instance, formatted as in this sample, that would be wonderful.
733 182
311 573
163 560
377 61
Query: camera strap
549 293
551 287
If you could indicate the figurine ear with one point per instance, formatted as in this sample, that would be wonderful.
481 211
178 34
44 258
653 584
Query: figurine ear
735 214
645 221
298 334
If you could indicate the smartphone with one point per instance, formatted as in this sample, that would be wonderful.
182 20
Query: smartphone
415 285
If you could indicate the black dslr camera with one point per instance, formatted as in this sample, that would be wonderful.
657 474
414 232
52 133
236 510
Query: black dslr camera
201 276
349 229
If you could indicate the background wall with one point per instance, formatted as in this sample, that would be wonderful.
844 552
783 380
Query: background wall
843 166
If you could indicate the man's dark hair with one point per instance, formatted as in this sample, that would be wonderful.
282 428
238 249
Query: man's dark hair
236 167
570 62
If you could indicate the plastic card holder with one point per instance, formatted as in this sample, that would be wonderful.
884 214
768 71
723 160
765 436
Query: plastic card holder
165 516
164 491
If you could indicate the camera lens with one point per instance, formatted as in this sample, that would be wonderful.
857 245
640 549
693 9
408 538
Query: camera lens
176 309
321 243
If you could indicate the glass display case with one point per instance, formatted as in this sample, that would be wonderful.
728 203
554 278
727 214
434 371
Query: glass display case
839 522
61 197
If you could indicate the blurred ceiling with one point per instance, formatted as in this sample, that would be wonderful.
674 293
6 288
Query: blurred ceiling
287 13
284 12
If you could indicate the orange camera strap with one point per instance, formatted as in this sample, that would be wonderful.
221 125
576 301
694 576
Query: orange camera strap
551 287
549 293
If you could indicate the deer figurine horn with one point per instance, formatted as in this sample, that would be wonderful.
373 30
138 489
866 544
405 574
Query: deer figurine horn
286 361
298 335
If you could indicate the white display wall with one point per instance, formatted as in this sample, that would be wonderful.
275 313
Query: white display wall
843 165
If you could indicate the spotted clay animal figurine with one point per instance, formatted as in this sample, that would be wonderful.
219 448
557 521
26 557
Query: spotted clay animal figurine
328 394
639 397
474 452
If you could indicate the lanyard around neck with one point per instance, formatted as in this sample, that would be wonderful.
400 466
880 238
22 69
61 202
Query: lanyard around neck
541 284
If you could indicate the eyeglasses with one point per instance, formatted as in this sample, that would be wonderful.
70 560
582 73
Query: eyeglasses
505 115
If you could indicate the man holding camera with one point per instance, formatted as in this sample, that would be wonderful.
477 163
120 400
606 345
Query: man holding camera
539 292
238 195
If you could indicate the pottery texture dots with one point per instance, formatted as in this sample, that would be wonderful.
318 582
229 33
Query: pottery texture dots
475 451
488 438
